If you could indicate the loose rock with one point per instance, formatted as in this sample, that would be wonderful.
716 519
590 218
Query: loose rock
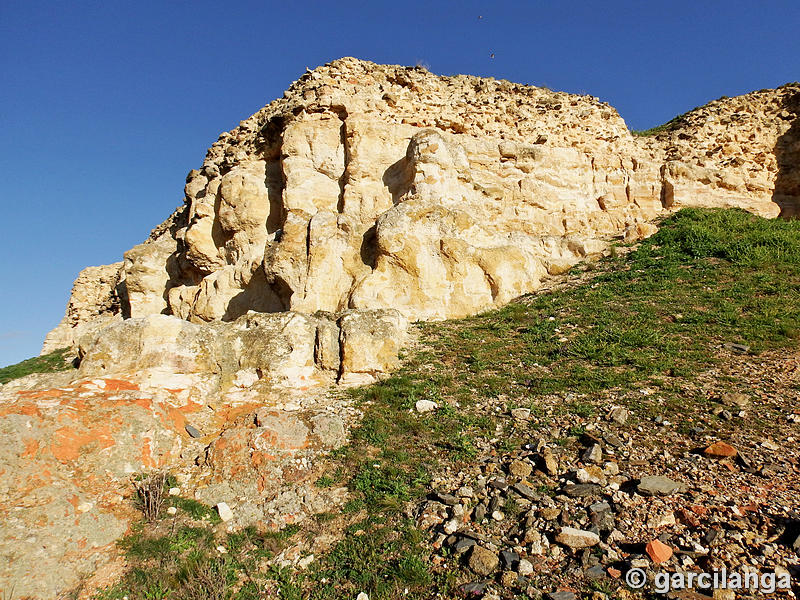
520 468
225 512
577 538
193 431
657 485
658 551
482 561
424 406
720 450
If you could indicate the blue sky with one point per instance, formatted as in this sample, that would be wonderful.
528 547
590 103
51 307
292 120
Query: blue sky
105 106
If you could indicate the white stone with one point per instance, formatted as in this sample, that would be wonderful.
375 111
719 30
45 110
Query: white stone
225 512
424 406
577 538
525 567
304 562
245 378
450 526
522 414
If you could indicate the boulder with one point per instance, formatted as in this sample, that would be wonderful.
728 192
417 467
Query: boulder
286 348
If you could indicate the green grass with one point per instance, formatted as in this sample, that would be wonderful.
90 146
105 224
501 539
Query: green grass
49 363
672 124
654 318
180 559
707 278
194 509
379 558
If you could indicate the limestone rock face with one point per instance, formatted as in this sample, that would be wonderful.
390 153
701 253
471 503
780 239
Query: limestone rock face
370 341
287 348
383 187
738 152
373 187
94 302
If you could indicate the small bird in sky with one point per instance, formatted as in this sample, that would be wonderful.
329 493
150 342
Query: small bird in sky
491 55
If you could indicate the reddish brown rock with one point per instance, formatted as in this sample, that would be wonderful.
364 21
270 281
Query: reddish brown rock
658 551
688 518
720 450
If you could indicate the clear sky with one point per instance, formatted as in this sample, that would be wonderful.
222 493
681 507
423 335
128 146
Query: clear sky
106 105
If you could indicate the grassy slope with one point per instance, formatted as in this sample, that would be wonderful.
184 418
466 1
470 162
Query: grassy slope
49 363
656 318
673 123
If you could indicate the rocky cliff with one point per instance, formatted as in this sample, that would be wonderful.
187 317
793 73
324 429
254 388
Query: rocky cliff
366 197
384 187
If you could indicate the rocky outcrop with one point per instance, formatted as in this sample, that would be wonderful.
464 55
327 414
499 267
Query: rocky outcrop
289 349
372 187
67 457
366 197
93 303
71 448
734 153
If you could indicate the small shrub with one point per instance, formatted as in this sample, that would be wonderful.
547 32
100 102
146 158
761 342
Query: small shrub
412 570
208 580
325 481
150 494
193 508
670 125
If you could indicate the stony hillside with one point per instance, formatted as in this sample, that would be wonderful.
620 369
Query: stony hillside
197 434
640 413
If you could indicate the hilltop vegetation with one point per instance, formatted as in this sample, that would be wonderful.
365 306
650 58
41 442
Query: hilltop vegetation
48 363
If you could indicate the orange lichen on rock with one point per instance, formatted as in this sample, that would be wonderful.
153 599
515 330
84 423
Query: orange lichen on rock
68 442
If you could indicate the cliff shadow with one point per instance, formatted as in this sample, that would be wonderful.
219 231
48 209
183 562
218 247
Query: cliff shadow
269 145
399 178
787 152
369 247
258 295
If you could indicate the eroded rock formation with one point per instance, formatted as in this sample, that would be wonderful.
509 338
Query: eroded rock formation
287 349
375 187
